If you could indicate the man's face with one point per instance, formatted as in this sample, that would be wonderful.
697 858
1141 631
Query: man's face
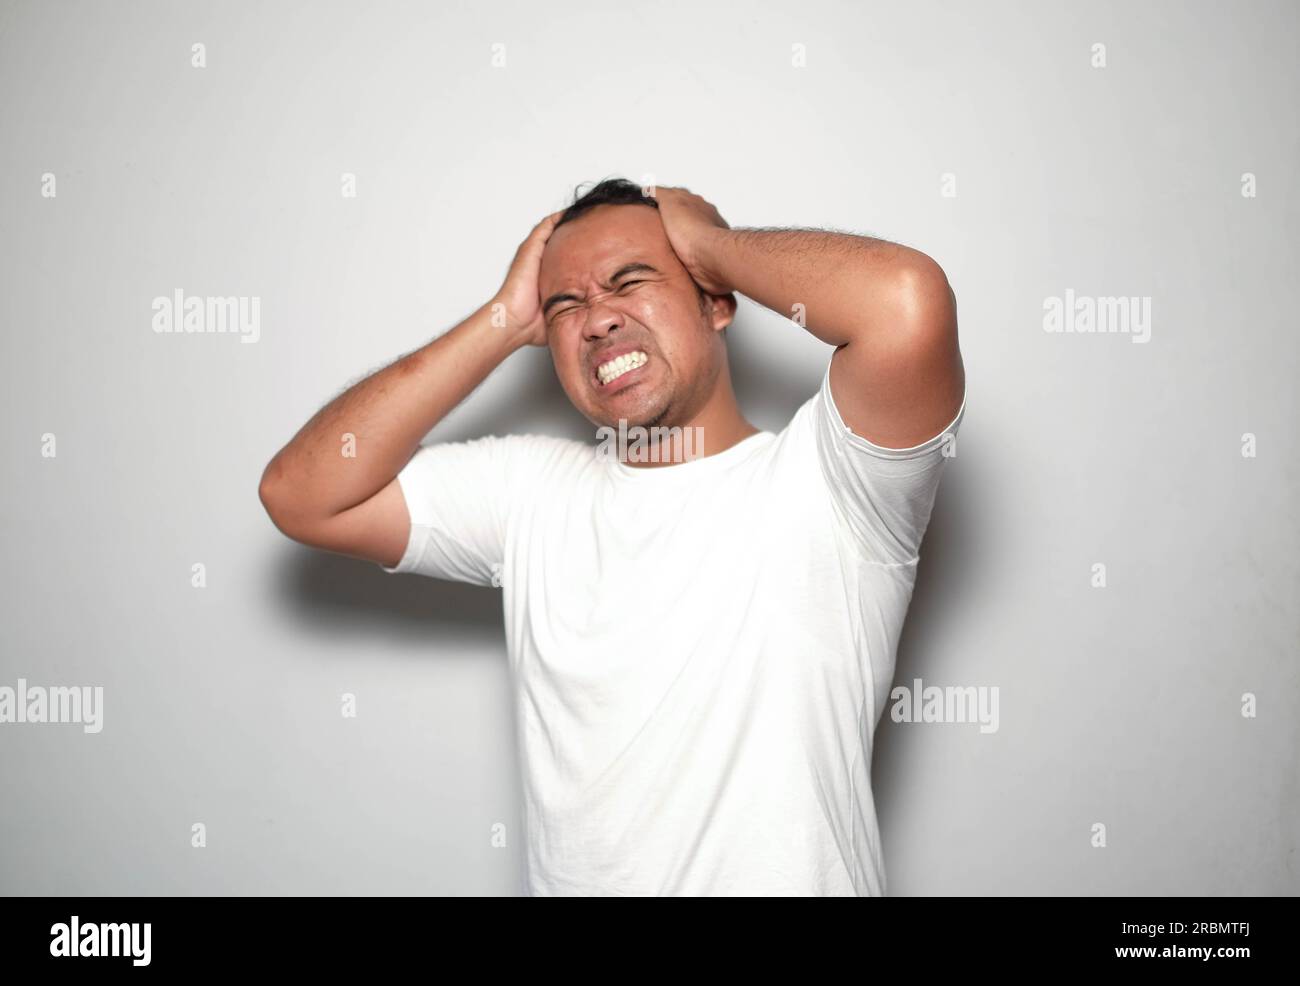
613 286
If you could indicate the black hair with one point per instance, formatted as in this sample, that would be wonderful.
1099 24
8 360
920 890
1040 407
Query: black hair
611 191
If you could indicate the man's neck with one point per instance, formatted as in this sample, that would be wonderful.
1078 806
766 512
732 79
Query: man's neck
717 427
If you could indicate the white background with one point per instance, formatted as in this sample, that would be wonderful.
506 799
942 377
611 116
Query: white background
222 705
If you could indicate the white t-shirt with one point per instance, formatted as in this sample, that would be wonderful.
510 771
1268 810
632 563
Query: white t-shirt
699 652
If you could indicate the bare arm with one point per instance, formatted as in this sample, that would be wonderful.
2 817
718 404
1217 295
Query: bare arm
352 504
896 374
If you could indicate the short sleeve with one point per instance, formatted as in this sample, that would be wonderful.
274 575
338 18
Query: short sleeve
883 496
458 495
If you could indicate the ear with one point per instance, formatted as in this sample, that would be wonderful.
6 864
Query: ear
721 310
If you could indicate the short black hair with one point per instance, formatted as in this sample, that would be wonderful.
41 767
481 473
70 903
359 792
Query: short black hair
614 191
610 191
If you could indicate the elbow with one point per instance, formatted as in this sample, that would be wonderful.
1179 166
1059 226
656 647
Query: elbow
924 298
293 514
270 490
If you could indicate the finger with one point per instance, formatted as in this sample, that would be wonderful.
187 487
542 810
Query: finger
537 237
543 230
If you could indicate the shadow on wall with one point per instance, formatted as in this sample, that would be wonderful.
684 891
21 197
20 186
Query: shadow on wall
942 574
768 390
334 594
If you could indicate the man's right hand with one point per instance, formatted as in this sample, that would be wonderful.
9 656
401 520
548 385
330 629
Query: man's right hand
520 295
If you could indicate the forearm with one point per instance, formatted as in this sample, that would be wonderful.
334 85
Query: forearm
387 414
838 285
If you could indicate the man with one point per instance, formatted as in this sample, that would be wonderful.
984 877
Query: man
701 646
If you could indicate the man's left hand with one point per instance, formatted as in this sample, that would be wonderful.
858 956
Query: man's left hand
693 226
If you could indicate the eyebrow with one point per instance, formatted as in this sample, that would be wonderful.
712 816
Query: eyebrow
636 267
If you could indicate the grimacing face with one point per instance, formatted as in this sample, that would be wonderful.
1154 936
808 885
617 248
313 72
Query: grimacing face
612 285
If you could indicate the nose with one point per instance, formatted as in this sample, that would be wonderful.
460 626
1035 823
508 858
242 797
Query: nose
602 319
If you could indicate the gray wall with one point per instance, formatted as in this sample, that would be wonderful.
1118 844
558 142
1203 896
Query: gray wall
1120 705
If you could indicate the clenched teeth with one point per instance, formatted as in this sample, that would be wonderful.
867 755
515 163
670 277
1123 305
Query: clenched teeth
615 368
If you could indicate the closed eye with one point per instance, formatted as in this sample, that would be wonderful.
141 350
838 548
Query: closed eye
624 284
